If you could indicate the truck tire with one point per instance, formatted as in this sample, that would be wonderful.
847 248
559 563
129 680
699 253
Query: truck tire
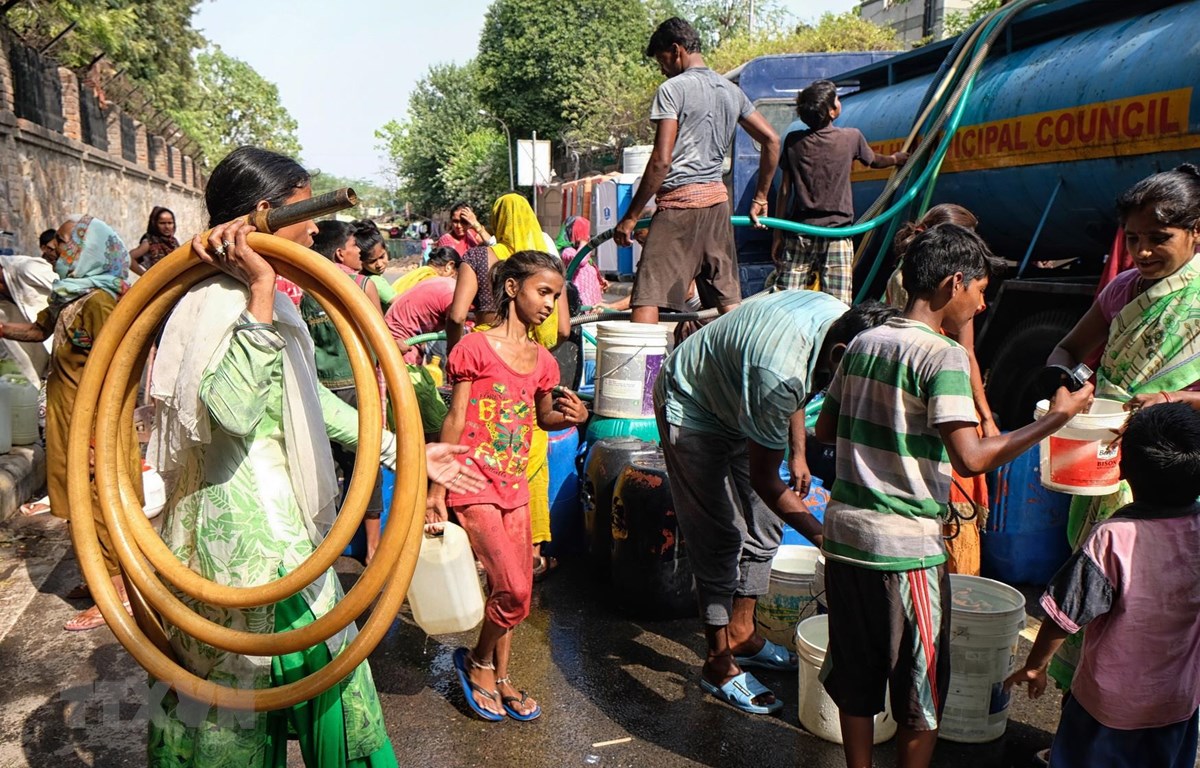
1011 389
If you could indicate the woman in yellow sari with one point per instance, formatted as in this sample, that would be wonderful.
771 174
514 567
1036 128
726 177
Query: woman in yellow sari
516 229
1148 322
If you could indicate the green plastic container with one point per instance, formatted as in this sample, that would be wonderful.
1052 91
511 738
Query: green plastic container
601 427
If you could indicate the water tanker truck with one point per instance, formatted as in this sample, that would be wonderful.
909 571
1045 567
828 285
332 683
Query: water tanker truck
1075 101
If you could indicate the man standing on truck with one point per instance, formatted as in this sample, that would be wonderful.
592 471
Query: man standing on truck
695 113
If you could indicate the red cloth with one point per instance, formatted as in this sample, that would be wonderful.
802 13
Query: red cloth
1119 260
501 539
500 418
420 309
470 240
581 230
289 289
701 195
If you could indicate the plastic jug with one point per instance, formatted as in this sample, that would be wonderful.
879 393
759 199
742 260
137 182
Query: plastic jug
23 404
5 421
445 595
434 366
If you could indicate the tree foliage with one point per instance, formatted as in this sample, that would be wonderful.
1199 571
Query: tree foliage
957 22
574 71
217 101
832 32
718 21
477 171
235 106
428 150
535 55
614 110
151 42
370 194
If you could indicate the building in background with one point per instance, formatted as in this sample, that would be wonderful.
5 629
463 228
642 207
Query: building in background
913 20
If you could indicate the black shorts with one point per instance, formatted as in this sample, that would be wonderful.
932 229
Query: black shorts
888 628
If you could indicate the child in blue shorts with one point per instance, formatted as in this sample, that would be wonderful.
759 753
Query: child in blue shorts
900 410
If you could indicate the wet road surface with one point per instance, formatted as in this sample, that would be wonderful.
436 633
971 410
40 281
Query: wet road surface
73 699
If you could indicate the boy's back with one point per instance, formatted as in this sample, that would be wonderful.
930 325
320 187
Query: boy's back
819 163
1136 584
896 384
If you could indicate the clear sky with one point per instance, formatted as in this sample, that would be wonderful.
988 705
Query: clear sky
345 68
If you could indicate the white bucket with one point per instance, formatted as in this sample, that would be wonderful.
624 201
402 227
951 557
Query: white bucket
23 405
628 358
1081 458
986 618
818 713
635 159
445 595
791 595
818 587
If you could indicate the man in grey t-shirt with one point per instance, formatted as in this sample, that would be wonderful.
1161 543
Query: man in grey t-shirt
695 113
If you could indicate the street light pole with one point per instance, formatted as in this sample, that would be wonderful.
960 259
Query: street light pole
508 145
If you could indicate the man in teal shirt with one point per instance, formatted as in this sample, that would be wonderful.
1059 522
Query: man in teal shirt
730 403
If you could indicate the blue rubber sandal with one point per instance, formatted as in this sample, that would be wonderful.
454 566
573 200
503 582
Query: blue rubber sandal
469 688
772 657
513 712
741 691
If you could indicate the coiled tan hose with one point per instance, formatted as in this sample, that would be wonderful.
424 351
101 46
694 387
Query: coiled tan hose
106 397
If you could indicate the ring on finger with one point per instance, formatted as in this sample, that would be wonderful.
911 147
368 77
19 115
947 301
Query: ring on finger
226 246
219 251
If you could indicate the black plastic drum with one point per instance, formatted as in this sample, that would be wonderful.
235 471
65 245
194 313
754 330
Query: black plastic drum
605 461
651 573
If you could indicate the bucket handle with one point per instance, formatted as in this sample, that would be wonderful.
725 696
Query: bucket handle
622 364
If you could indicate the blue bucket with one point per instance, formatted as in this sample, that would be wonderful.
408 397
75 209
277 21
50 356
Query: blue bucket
816 501
357 548
1025 538
566 513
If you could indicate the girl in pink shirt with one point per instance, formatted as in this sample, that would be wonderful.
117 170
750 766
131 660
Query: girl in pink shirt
503 380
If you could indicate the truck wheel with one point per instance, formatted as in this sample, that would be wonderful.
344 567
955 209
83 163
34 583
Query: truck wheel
1011 386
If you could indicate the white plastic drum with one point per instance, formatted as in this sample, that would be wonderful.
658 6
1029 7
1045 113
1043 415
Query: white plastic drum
628 358
791 595
986 618
818 713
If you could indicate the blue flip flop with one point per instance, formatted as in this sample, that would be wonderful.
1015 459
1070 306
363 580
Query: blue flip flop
773 657
741 691
469 688
515 713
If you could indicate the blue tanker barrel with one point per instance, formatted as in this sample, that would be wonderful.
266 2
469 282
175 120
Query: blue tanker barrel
1024 540
605 460
651 573
566 515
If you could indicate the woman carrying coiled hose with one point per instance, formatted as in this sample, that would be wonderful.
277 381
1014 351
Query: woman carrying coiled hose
241 434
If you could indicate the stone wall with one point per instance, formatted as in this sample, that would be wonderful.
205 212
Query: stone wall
45 175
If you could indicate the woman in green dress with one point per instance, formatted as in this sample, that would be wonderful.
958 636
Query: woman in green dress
241 434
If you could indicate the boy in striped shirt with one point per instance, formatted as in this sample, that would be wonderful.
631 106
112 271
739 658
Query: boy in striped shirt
900 410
